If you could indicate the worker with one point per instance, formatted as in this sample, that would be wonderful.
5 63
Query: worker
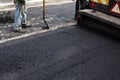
20 20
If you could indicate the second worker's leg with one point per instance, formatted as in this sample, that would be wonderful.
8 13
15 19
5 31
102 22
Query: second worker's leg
25 23
17 19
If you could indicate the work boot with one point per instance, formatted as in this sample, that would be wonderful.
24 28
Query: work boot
26 25
20 31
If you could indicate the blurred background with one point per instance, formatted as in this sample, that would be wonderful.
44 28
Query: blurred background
10 1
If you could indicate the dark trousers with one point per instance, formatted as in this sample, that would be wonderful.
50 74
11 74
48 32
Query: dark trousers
77 7
80 4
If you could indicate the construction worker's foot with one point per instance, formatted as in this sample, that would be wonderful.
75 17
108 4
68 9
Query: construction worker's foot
20 31
26 25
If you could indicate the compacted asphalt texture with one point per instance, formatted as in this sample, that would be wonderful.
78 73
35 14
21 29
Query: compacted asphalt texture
65 52
69 53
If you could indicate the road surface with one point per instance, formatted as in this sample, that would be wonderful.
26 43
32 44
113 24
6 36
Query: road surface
69 53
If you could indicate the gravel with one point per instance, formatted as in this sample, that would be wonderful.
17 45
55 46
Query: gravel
57 16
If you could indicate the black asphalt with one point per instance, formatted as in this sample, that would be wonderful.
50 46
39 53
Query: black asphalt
69 53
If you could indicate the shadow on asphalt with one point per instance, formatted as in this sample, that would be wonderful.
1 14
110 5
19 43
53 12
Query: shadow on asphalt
110 35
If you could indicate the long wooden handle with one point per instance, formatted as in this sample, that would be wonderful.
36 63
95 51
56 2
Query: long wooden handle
43 9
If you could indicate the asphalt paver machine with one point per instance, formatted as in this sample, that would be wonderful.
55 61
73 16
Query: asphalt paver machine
101 11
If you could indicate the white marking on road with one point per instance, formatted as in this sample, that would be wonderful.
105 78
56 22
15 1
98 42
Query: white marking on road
34 33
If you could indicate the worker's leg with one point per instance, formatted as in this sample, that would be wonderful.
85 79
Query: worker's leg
24 12
24 23
77 7
17 19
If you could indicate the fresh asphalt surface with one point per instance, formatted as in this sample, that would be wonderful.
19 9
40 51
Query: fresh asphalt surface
70 53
